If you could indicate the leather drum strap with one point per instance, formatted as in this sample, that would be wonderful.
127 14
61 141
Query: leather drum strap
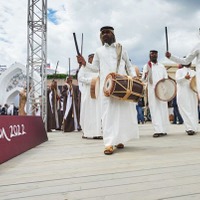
119 54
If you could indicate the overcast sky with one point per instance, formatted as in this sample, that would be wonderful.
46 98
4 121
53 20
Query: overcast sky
139 26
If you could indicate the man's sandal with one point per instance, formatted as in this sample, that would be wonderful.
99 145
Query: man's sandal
98 137
120 146
108 150
155 135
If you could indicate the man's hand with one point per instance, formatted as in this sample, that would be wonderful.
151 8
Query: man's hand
136 78
145 75
81 60
168 54
69 80
187 76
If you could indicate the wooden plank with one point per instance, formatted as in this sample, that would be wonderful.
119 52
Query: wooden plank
69 167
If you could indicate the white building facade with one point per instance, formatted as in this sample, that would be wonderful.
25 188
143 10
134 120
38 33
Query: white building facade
12 81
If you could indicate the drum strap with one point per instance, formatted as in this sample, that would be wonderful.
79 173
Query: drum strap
119 55
129 88
150 73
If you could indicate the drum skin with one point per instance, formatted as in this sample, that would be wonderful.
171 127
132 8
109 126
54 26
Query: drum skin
123 87
165 89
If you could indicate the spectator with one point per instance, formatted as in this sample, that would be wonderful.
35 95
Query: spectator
10 110
177 115
140 112
4 109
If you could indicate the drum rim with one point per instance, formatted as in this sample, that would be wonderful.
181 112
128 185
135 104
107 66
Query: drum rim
112 76
93 83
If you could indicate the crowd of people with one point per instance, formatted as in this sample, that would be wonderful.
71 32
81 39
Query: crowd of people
8 109
120 119
73 108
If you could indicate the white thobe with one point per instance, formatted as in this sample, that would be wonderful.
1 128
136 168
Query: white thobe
119 118
187 99
90 118
195 53
10 110
159 109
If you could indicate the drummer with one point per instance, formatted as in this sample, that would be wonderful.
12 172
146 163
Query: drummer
90 120
153 72
119 118
187 99
192 55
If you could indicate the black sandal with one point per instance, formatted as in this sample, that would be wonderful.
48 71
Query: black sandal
156 135
98 137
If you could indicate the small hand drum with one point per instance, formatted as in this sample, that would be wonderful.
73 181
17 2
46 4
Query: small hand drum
165 89
94 87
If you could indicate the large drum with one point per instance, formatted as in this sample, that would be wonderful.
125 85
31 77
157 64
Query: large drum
193 84
94 87
123 87
165 89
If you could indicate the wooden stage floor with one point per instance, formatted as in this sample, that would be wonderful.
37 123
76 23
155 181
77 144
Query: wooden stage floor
67 167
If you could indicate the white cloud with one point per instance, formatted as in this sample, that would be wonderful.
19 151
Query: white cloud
139 26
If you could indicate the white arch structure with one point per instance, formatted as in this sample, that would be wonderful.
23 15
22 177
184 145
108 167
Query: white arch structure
12 81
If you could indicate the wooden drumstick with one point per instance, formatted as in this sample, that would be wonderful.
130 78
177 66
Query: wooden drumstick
76 44
82 44
69 67
166 37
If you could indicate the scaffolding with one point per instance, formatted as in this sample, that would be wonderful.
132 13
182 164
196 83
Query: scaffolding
37 58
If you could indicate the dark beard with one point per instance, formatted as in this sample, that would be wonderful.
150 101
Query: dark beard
154 60
108 40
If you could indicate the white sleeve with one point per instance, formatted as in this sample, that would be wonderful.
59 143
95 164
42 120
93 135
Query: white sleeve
95 66
180 77
144 71
188 59
82 78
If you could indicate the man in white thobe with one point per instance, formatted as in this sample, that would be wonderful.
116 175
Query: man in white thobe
153 72
90 118
187 99
119 118
195 53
